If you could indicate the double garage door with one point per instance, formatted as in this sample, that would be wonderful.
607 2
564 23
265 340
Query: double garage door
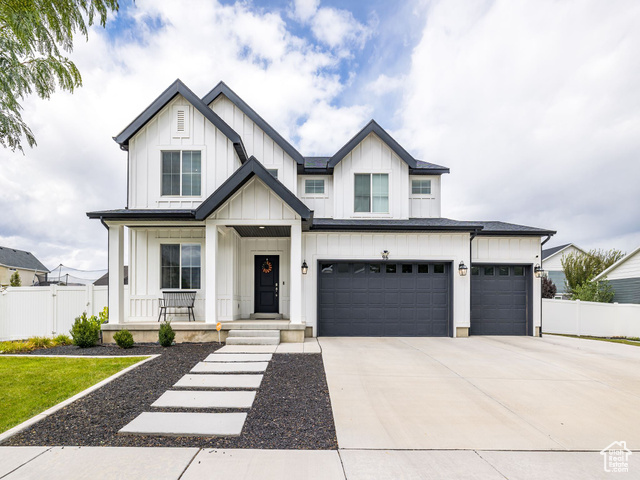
415 299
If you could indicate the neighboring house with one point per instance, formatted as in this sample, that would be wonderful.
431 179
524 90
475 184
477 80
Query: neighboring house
104 279
624 277
552 264
352 243
26 264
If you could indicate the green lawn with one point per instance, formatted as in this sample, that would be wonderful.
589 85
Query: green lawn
30 385
627 341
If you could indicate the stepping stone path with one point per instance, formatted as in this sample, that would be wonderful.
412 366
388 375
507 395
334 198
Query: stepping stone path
239 369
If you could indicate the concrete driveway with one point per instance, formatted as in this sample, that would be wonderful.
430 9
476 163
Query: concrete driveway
483 393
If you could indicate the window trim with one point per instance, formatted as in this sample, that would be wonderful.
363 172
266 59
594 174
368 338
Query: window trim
371 212
202 173
180 244
271 170
430 194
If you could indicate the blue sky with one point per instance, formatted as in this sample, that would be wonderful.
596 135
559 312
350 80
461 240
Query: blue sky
534 106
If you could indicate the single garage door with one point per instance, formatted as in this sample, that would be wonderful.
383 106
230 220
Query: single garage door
384 299
500 300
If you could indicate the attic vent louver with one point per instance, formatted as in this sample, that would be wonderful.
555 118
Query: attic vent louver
180 121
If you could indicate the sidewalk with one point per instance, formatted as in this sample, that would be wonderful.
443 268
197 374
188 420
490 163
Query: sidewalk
98 463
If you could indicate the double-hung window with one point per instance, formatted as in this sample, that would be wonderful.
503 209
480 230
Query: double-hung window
314 186
371 192
180 266
182 173
421 187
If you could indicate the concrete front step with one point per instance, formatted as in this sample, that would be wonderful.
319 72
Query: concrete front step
253 340
265 316
254 333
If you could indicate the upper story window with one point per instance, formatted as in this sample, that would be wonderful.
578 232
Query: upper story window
180 266
371 192
314 186
182 173
421 187
273 171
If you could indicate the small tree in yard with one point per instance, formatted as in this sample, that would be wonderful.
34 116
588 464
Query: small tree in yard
548 288
600 291
581 268
166 335
15 280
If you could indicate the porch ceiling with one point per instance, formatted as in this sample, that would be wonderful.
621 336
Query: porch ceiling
266 231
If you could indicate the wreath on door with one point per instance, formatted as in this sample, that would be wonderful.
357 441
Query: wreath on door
267 267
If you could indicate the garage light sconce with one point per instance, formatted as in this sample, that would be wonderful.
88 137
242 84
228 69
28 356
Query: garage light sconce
538 271
385 254
305 267
462 269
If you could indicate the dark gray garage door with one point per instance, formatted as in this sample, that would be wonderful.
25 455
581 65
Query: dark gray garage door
500 300
384 299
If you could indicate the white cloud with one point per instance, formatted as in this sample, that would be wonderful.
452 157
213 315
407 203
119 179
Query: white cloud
338 28
303 10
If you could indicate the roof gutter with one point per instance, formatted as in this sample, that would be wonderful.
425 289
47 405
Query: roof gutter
545 241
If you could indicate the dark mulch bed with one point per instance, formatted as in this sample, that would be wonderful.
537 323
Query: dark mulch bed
292 409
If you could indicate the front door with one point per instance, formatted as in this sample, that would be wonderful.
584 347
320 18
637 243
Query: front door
267 268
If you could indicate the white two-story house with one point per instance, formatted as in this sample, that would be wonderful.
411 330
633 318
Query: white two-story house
349 244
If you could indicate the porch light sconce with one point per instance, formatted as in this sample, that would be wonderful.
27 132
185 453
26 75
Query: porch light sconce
305 267
538 271
462 269
261 227
385 254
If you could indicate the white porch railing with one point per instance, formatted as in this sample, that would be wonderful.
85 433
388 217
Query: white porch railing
590 318
47 311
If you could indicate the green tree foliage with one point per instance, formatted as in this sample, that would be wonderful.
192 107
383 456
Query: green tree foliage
15 280
594 291
86 331
580 268
166 335
33 36
548 288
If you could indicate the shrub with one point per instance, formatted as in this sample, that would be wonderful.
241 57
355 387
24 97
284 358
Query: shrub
41 342
16 347
62 339
123 338
166 335
103 316
600 291
15 280
549 289
85 331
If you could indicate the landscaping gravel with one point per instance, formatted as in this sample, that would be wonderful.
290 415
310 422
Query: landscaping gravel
292 409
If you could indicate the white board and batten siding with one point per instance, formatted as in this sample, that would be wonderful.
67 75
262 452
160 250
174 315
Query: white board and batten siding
219 158
371 155
257 142
425 205
452 248
320 203
511 251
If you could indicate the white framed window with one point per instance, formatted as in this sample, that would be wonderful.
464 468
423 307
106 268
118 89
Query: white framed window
180 266
371 192
182 173
314 186
421 187
273 171
180 121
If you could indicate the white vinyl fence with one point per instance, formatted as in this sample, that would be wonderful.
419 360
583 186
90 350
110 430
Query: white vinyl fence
47 311
590 318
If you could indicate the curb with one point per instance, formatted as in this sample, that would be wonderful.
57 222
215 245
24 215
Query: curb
40 416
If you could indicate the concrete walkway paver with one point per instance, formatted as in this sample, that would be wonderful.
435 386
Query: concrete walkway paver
248 349
12 457
219 381
229 367
266 465
103 463
239 357
186 424
198 399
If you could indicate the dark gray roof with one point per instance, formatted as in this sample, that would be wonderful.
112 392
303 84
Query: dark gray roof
502 228
142 214
550 251
12 257
104 280
316 162
426 168
223 89
165 97
386 225
242 176
373 127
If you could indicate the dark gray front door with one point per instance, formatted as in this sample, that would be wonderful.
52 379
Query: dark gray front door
267 269
384 299
500 300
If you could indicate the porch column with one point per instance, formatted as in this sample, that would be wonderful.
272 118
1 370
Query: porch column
211 253
295 282
116 274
